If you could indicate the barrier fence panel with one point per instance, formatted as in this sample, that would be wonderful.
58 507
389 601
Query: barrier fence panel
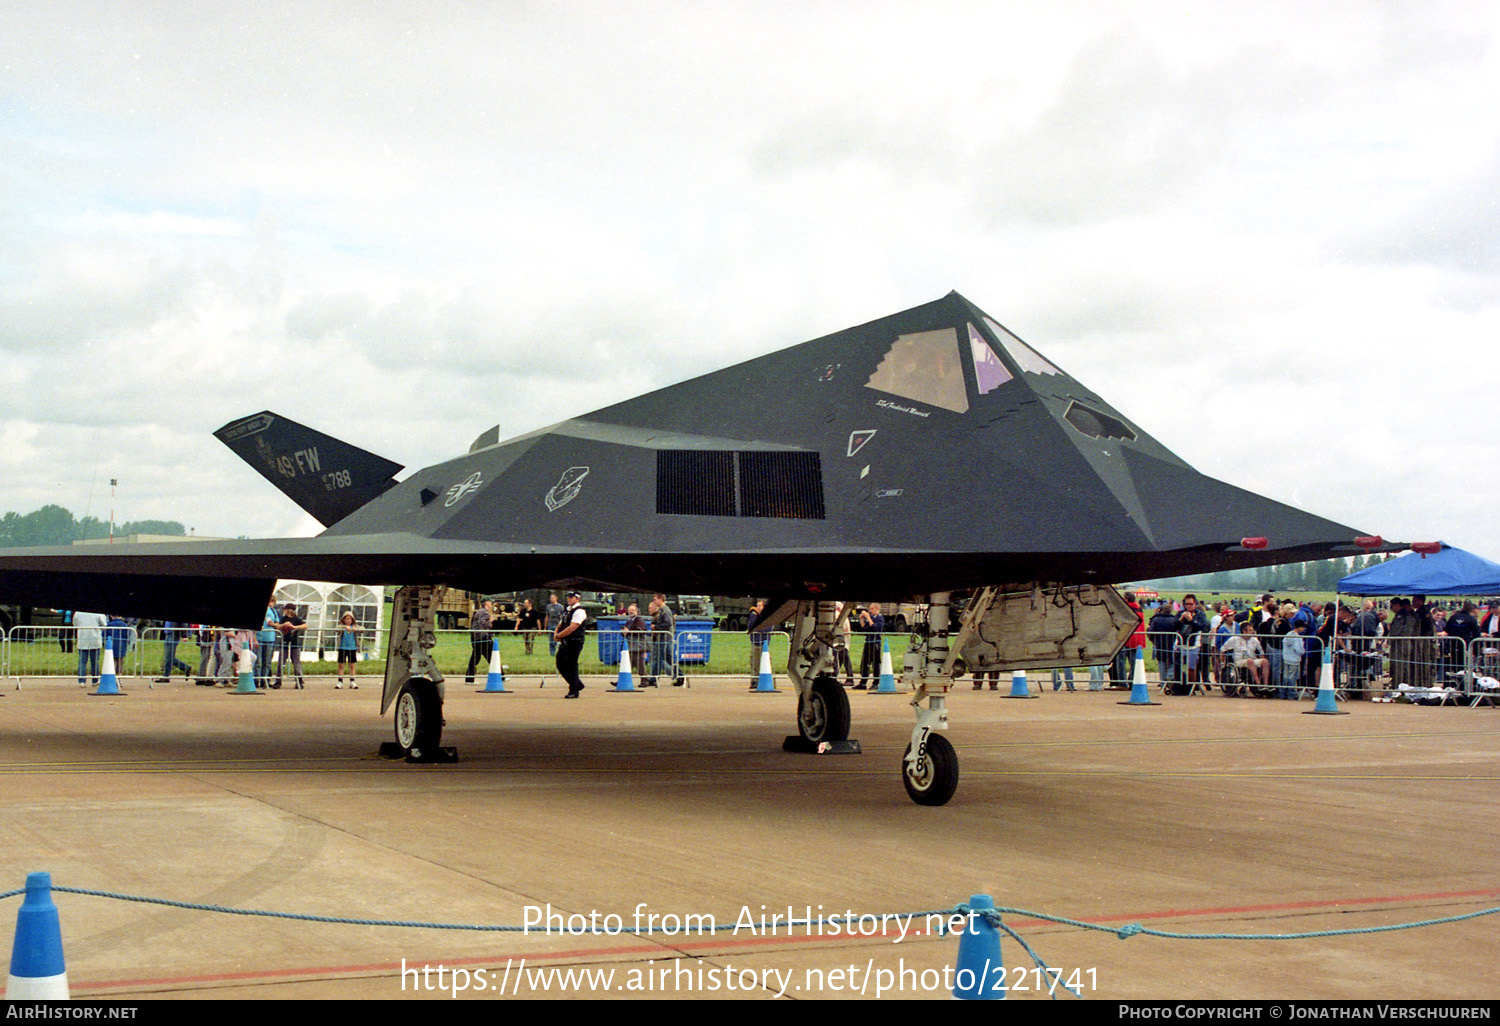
1378 667
1484 670
691 653
1363 667
53 652
1201 661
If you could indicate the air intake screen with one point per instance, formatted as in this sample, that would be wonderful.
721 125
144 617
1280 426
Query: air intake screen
747 484
781 484
695 482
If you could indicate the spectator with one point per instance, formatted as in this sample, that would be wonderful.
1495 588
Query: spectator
872 625
758 639
1122 674
1249 656
266 645
207 636
349 633
90 630
554 616
637 631
1403 633
171 636
841 641
481 638
1489 624
570 637
118 637
530 622
1293 647
1164 639
292 628
663 638
1192 628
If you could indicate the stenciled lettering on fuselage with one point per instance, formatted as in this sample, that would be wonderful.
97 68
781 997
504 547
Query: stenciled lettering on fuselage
886 404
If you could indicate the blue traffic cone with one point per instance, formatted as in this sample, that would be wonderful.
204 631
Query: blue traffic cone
246 674
494 684
765 683
979 971
1139 695
1018 687
887 685
1327 704
109 684
37 972
626 682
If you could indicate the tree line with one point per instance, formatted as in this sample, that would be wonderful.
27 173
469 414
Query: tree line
53 525
1321 575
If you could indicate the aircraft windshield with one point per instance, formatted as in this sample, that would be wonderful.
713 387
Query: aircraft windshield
924 367
989 372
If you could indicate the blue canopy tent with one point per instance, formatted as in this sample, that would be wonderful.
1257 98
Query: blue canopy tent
1448 571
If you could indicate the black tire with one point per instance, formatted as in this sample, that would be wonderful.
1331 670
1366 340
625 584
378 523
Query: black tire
936 775
419 716
823 715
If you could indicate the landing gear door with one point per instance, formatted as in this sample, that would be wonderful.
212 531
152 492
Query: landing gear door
1049 627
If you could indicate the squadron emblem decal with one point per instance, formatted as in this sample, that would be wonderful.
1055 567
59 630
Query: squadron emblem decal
567 488
464 487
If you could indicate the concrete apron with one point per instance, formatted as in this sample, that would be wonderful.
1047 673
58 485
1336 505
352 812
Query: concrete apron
1204 815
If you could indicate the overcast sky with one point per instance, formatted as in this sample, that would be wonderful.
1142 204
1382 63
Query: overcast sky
1267 232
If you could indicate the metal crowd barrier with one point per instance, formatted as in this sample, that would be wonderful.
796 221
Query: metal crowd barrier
690 653
1364 667
1437 668
53 652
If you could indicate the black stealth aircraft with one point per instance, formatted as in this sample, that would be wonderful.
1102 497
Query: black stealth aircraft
923 453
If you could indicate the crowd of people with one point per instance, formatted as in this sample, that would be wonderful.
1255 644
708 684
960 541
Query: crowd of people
1275 647
272 653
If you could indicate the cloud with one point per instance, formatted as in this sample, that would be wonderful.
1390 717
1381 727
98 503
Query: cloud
402 224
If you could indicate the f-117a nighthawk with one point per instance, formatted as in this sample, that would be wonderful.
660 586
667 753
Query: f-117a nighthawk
925 453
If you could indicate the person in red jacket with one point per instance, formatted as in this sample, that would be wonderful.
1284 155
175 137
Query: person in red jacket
1123 671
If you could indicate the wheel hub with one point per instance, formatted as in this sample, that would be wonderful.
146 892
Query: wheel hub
406 720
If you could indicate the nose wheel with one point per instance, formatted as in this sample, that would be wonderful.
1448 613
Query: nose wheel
931 776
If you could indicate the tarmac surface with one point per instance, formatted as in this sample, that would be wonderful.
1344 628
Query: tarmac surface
1203 815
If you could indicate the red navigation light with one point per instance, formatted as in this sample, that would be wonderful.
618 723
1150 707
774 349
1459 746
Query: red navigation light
1253 543
1369 541
1426 548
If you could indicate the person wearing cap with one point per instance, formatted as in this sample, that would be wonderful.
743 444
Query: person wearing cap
569 638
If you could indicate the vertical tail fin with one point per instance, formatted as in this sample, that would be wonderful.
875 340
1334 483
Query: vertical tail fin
328 478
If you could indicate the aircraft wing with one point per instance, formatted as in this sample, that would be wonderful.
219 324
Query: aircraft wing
930 450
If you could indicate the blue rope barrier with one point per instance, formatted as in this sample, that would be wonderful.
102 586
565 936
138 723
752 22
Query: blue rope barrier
991 916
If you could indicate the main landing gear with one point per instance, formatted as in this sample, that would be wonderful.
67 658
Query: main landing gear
822 706
412 679
929 768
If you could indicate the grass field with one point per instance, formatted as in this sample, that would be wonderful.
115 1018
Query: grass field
37 653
